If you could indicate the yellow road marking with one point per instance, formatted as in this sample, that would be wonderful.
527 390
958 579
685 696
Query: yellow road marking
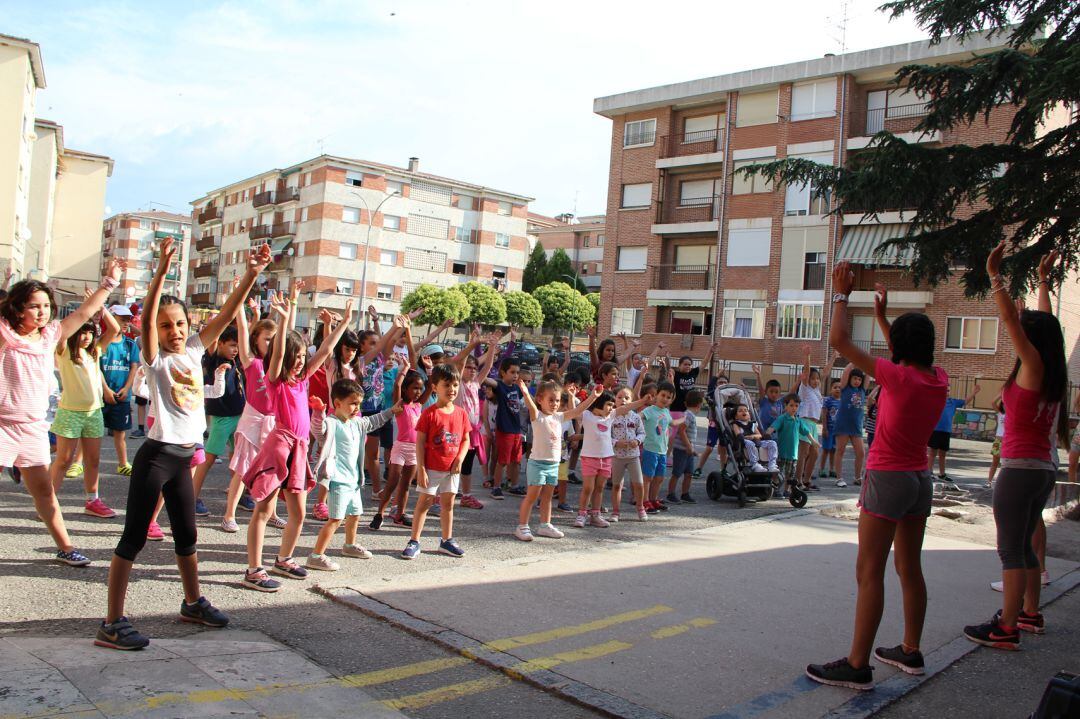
447 693
501 645
676 629
393 674
577 655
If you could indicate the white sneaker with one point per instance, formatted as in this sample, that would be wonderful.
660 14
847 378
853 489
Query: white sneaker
642 515
548 530
595 520
841 483
523 533
579 521
613 519
757 467
773 467
323 562
355 550
999 585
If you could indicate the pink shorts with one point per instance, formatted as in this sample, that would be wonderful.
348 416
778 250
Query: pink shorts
596 466
403 453
24 444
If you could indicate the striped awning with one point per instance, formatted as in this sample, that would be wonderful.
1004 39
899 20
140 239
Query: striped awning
860 245
278 245
667 302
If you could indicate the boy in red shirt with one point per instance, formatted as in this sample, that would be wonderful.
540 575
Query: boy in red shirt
442 441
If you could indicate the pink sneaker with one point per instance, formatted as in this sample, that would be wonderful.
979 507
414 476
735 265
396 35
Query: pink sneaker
321 512
99 509
154 533
467 500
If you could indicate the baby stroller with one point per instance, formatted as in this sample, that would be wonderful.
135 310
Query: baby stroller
736 478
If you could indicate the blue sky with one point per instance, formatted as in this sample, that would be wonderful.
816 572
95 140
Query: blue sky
189 96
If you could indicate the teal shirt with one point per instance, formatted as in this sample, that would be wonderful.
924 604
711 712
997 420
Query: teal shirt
787 430
657 421
349 443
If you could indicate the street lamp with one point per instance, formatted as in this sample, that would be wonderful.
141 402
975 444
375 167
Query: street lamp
573 283
367 238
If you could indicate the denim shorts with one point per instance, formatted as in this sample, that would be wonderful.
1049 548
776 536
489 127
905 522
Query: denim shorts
539 473
653 464
682 462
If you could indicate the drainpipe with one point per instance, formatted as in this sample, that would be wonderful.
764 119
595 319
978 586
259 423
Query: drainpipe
718 305
830 257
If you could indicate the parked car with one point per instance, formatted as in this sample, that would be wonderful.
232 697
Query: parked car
527 353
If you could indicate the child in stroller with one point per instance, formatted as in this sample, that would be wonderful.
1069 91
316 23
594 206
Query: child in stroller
754 444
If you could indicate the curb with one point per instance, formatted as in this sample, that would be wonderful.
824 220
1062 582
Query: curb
561 686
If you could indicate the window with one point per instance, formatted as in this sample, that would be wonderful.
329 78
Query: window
418 259
425 226
749 248
627 320
498 272
813 99
347 251
800 199
350 215
144 224
464 202
639 133
814 271
631 259
428 192
689 322
502 239
599 268
696 192
584 240
391 223
407 288
394 187
303 214
756 108
459 268
744 318
355 179
505 208
866 332
700 129
637 195
795 321
599 240
464 234
584 268
971 334
905 102
743 185
387 257
384 292
693 256
343 287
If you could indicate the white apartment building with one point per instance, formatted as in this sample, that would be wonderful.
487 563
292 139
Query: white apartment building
322 217
135 237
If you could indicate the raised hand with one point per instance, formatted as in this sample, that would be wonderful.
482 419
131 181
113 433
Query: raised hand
168 251
993 260
598 390
591 331
236 282
1046 265
316 403
396 408
881 298
416 313
843 278
326 317
474 336
348 310
260 258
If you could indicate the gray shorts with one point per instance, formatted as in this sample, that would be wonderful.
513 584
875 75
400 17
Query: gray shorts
896 495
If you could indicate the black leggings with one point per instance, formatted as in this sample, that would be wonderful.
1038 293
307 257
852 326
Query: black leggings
467 463
159 469
1019 498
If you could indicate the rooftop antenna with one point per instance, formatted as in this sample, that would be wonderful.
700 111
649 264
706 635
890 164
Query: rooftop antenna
840 25
576 193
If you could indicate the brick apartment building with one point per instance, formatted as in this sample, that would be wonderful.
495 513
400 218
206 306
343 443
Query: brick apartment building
134 237
583 240
317 216
695 254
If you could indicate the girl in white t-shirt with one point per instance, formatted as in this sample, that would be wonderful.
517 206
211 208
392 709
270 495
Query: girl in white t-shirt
542 471
172 362
995 448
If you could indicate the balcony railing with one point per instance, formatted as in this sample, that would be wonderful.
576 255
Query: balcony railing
690 209
285 194
263 198
206 242
210 214
202 298
260 232
876 120
692 143
682 277
109 232
283 229
205 270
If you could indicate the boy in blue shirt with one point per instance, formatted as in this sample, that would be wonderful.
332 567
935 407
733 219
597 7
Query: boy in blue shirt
939 438
508 436
657 420
118 364
789 431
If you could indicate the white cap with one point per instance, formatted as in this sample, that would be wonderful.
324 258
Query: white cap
120 311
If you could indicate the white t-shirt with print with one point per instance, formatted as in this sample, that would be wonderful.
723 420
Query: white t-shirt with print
175 385
810 402
597 439
547 437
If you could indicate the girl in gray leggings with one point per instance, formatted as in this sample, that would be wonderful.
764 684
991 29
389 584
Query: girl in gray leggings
1034 396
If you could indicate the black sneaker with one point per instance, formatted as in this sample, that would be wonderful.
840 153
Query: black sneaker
120 635
697 473
497 493
842 674
1033 623
203 612
687 499
376 522
74 558
896 656
672 499
662 505
572 478
404 520
992 634
517 491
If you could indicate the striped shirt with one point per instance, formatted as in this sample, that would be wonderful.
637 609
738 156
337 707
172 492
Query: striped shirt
26 373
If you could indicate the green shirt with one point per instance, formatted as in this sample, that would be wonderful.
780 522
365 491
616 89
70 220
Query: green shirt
788 429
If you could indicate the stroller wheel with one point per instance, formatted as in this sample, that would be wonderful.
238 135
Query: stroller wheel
797 498
714 485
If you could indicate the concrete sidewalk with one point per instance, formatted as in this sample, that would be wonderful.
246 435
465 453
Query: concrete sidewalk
204 677
714 623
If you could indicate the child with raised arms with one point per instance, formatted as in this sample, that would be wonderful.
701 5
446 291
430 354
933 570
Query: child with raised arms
628 434
410 393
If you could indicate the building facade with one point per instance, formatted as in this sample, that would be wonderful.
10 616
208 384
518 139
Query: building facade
583 241
52 198
697 255
322 218
135 237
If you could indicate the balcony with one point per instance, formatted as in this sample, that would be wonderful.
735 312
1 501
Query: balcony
898 118
206 242
260 232
205 270
682 277
285 194
283 229
705 147
109 232
210 215
263 198
202 298
691 214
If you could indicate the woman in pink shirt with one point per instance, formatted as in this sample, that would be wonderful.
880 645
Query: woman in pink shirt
29 335
1034 395
897 490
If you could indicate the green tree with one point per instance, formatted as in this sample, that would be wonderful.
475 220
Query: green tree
439 304
966 198
594 298
561 269
564 307
522 310
486 304
535 269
